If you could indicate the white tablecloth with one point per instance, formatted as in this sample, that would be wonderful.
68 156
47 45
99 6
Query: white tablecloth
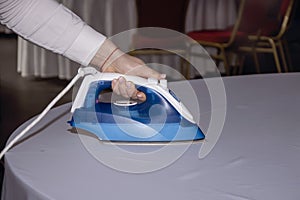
111 17
210 14
256 157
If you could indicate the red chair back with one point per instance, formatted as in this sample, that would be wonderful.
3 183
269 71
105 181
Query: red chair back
264 17
284 6
254 16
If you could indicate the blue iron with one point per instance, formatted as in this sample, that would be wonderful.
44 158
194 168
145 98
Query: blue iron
161 118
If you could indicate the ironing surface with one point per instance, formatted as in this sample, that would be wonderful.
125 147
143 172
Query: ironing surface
161 118
257 156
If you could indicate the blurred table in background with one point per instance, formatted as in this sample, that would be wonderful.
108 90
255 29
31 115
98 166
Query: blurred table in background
210 14
4 30
111 17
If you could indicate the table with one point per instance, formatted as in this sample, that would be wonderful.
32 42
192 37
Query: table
256 157
111 17
4 30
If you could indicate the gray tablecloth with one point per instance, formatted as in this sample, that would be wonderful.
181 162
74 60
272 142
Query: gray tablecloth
256 157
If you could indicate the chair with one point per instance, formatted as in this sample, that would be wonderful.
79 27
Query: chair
222 40
268 37
166 14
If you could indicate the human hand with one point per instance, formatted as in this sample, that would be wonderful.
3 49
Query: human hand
110 59
126 64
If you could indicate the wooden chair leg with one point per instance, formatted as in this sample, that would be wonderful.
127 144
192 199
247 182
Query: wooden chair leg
241 61
287 55
255 57
185 67
217 60
282 55
256 61
274 51
233 63
187 63
225 61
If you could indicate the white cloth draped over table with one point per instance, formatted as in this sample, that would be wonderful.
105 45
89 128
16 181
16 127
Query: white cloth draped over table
111 17
257 155
210 14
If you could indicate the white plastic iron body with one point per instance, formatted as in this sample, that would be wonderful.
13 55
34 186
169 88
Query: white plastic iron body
160 86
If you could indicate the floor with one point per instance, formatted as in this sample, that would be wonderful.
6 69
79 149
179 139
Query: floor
23 98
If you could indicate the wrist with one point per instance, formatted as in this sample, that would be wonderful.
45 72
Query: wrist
106 54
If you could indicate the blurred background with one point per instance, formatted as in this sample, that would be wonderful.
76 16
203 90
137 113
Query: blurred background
236 34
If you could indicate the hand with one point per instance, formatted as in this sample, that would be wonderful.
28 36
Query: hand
126 64
110 59
127 89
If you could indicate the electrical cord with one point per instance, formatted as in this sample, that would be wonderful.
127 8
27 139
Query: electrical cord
81 73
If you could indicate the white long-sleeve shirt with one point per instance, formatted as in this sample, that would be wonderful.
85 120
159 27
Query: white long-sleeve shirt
52 26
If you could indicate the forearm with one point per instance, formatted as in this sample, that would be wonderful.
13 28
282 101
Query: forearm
52 26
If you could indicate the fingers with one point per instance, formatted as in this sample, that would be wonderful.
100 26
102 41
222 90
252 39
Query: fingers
140 96
147 72
141 69
127 89
130 65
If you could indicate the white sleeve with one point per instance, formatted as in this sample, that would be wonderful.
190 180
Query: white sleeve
52 26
